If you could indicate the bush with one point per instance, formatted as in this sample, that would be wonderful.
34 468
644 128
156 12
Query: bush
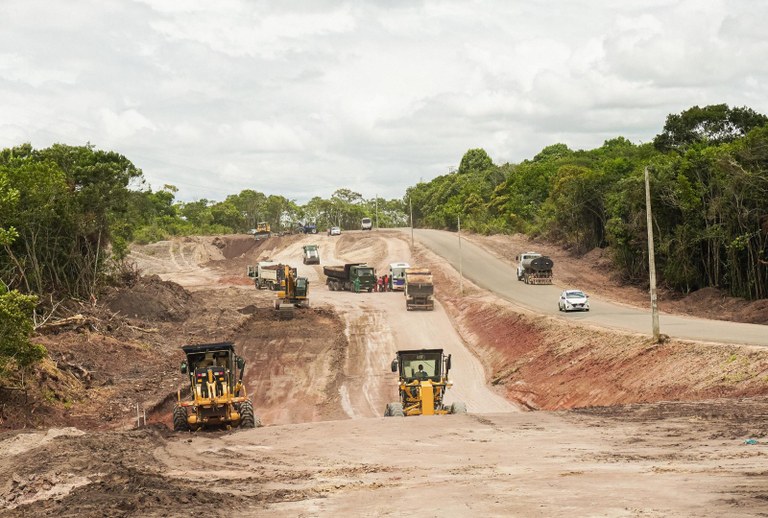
16 326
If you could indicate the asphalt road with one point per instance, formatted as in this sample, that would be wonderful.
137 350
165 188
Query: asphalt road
490 273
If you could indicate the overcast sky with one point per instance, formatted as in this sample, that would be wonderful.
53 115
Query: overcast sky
301 98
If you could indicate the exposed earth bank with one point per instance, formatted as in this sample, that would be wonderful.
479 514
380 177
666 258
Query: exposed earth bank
320 381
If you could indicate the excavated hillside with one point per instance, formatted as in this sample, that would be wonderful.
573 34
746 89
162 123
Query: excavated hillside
612 413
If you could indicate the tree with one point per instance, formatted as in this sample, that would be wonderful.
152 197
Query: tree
713 124
475 160
72 202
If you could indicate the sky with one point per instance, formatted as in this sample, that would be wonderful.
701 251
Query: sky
301 98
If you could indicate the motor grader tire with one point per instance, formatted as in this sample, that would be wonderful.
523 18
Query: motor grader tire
247 419
459 407
394 410
180 423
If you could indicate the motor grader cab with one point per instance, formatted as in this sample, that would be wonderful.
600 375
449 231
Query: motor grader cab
423 382
218 397
294 293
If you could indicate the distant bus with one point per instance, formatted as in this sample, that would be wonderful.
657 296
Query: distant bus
366 224
397 276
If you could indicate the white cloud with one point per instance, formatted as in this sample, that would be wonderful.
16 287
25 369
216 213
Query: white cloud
373 96
118 126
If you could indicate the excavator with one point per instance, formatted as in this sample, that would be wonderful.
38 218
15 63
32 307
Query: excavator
294 293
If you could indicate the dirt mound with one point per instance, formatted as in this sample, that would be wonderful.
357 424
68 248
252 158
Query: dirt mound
368 249
152 299
269 248
121 479
234 246
716 304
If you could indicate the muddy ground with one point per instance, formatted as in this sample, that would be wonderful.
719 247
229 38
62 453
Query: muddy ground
621 427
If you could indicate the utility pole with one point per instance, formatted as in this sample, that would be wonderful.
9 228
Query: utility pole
376 204
651 260
461 262
410 204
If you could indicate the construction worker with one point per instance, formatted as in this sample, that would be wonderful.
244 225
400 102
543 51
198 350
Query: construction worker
356 284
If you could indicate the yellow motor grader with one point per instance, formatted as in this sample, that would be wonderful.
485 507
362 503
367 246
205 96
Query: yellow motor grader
218 397
423 382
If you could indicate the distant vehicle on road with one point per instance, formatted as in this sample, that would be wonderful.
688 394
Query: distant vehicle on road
573 300
366 224
309 228
334 231
534 268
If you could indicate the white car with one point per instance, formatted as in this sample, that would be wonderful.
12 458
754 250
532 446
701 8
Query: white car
334 231
573 300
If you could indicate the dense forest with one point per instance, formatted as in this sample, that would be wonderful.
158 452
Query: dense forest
68 213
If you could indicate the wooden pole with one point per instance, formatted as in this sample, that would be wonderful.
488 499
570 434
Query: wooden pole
461 261
651 260
410 204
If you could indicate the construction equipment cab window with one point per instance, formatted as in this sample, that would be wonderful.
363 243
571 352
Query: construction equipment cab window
421 366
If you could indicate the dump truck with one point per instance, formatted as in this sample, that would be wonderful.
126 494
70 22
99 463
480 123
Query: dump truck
534 268
294 293
267 275
419 290
422 384
217 394
350 275
311 254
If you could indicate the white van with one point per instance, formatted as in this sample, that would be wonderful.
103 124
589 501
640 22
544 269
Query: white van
366 224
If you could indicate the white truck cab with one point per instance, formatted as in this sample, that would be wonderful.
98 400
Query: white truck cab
522 257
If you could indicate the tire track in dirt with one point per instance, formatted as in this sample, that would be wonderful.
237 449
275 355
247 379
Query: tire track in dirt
367 378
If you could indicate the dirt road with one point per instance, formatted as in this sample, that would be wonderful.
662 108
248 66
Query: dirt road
320 383
377 325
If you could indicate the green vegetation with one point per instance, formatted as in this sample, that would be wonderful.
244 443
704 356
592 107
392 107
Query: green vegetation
68 214
709 184
16 324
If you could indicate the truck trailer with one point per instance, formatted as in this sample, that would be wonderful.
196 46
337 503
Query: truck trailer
534 268
419 289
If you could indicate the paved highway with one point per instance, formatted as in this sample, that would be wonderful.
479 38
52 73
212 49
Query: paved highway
492 274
